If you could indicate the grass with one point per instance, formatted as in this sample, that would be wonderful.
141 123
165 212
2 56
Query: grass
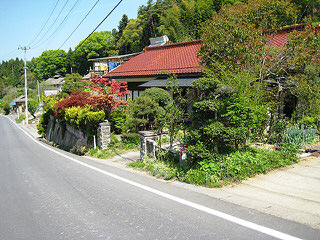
20 119
115 148
222 170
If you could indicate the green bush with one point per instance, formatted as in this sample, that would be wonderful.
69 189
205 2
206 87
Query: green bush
6 108
311 121
159 95
43 123
142 114
84 118
117 119
133 138
33 107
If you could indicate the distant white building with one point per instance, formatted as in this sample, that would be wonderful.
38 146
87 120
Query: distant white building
53 85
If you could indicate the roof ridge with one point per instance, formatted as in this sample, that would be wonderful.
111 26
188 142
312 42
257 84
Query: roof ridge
285 29
172 45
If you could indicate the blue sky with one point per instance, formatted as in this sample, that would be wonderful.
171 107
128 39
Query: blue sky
22 20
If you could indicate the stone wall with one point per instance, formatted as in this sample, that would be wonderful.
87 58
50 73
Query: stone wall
64 134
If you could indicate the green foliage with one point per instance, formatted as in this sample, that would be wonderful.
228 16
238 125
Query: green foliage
122 26
130 39
10 73
33 107
183 20
43 123
101 153
132 138
311 121
137 164
142 114
50 63
233 41
97 45
218 170
226 115
117 119
73 82
6 108
20 119
49 102
84 118
299 135
159 95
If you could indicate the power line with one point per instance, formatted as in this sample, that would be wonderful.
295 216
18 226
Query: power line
58 26
99 24
53 22
304 11
45 22
10 53
79 24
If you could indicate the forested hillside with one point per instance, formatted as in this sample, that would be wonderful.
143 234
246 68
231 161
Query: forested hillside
180 20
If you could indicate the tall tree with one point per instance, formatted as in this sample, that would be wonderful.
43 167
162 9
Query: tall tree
12 70
50 63
122 26
97 45
183 20
130 39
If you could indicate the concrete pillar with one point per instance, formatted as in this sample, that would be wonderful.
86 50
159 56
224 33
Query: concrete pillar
104 134
148 143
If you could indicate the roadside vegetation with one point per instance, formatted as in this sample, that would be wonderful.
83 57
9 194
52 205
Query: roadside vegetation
254 110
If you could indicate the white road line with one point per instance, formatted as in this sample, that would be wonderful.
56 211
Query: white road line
230 218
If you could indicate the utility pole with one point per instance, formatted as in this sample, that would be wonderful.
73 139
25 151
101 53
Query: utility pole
25 81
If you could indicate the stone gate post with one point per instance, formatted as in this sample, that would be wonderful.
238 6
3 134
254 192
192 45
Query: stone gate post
104 134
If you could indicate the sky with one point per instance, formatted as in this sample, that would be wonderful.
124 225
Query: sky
21 22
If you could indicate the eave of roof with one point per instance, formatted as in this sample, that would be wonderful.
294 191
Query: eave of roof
113 57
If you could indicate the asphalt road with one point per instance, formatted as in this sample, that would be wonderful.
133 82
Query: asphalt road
50 194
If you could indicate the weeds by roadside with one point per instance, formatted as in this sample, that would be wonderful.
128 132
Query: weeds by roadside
116 147
222 169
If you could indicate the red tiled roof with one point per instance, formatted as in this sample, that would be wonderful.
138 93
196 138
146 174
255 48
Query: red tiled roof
178 58
181 58
279 38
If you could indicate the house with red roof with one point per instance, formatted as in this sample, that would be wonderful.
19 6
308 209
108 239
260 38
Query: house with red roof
152 67
155 64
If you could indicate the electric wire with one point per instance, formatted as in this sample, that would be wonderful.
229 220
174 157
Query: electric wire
79 24
98 25
9 54
53 22
304 11
58 26
45 23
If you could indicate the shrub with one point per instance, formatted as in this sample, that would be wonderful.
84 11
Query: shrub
117 120
6 108
33 107
311 121
133 138
84 118
159 95
143 112
43 123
